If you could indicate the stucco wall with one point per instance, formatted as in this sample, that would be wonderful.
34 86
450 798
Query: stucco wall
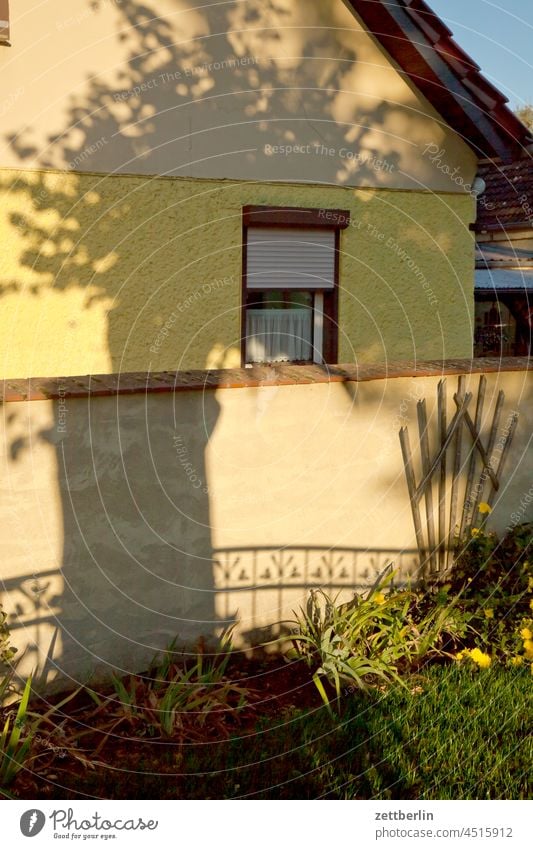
214 90
127 520
122 273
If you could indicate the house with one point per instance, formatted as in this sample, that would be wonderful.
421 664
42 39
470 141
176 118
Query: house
504 259
232 183
199 186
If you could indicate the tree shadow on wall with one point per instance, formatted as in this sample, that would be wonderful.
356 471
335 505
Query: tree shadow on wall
127 253
136 563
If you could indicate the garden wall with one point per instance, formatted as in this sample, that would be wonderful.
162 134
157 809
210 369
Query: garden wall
140 507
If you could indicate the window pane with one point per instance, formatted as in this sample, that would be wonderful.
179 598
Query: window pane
280 299
280 330
495 331
300 299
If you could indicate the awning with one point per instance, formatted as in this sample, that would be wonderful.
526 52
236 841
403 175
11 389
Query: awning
504 280
491 254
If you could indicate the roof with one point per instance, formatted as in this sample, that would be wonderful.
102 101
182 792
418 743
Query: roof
503 267
425 51
504 280
501 255
507 202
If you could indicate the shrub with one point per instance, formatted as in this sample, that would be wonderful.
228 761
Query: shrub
372 638
7 652
494 581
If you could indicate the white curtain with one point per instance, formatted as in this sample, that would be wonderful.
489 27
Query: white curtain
274 335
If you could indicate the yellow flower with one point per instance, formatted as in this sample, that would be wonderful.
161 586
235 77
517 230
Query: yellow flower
484 507
462 654
489 613
526 634
517 661
475 532
379 598
483 660
528 649
531 604
530 584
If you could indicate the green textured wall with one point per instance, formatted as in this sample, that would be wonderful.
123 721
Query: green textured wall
125 273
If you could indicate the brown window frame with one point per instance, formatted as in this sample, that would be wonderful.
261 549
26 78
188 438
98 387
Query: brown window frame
295 217
4 30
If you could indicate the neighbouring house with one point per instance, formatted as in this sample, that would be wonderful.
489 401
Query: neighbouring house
232 183
504 259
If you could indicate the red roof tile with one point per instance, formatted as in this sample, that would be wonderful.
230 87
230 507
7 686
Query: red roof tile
424 48
507 201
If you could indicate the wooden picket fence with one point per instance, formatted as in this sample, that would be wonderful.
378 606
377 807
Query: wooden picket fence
475 475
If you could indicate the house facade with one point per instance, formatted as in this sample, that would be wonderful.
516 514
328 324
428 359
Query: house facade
215 186
504 259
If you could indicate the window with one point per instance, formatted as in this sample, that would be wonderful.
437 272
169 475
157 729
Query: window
291 261
503 325
4 21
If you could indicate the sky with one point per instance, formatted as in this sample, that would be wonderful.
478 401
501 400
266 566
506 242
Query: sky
498 35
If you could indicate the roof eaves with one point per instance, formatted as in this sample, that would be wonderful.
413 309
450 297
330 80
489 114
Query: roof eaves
423 47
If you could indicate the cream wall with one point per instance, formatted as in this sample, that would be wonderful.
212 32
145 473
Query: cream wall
102 274
214 90
125 522
109 265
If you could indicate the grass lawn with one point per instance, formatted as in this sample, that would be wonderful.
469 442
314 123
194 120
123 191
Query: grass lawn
458 734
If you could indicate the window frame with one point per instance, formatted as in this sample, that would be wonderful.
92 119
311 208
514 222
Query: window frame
4 30
297 217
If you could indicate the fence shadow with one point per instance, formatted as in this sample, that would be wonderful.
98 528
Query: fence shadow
254 586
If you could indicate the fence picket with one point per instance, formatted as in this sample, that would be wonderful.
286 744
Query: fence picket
441 413
436 556
473 455
426 464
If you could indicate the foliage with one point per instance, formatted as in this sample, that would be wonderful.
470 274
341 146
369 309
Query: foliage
494 581
15 740
525 114
372 638
7 652
174 700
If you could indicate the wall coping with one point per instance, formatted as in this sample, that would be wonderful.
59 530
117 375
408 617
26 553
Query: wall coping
135 383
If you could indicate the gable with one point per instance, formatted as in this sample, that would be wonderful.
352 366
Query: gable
284 91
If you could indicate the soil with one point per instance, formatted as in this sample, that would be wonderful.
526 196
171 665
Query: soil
85 739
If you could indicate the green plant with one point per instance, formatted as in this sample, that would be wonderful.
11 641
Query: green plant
336 641
15 740
494 581
370 639
6 649
7 653
175 699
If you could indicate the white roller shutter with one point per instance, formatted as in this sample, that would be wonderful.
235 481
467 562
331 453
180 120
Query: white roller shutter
291 258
